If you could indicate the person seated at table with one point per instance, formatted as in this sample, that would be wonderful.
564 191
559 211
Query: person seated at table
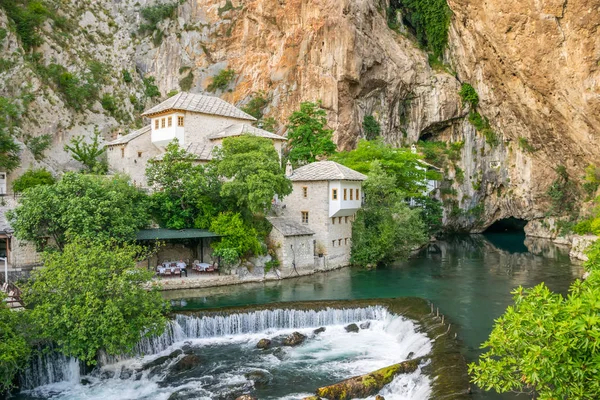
181 264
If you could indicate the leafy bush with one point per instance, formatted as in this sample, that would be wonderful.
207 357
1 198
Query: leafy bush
28 17
109 103
126 76
150 89
155 14
79 91
469 95
482 125
591 179
38 144
562 192
429 19
14 347
256 105
525 146
221 80
32 178
238 238
371 127
186 83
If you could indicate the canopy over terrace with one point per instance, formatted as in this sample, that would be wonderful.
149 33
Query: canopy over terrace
191 238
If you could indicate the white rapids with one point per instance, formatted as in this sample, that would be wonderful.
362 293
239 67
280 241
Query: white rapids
229 364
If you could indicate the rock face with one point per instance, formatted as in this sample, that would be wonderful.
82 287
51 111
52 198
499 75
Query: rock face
294 339
534 65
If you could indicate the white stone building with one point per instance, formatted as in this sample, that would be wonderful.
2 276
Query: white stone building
314 228
200 123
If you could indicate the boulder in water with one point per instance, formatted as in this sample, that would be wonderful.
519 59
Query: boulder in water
294 339
260 378
320 330
410 355
379 397
263 344
161 360
246 397
352 328
365 325
186 363
369 384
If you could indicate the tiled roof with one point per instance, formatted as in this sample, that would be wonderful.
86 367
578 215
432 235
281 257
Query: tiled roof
287 227
326 171
240 129
128 138
201 104
202 151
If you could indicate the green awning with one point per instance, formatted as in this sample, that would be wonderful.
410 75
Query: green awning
166 234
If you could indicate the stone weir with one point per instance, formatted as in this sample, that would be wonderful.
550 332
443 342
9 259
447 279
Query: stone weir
445 364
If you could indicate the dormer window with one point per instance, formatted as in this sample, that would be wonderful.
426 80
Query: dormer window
162 123
169 121
179 121
156 123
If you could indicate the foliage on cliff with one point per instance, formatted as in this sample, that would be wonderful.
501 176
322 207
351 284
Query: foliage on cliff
91 297
95 208
429 19
10 114
308 137
547 345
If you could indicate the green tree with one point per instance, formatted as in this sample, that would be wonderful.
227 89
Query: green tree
547 345
399 163
89 154
80 206
91 297
386 229
253 174
307 136
371 127
239 239
186 195
38 144
31 178
14 346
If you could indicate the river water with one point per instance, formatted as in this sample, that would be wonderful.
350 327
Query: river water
469 278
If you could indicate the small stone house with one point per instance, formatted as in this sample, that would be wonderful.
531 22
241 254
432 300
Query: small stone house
199 122
315 221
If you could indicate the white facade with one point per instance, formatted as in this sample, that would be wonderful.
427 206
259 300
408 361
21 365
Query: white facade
167 127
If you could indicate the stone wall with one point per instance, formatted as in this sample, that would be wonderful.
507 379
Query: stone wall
132 158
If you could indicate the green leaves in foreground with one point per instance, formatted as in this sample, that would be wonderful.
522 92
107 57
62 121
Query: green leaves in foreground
14 349
546 345
92 298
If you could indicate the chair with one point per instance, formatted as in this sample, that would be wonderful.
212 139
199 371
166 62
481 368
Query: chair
177 271
167 272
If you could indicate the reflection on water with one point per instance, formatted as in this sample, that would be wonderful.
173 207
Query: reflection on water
468 277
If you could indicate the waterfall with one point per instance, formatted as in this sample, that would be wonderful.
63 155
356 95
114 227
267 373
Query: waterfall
53 367
46 368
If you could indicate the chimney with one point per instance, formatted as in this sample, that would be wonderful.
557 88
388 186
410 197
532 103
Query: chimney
288 169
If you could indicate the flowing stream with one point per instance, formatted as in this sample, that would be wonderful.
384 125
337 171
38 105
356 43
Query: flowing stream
215 357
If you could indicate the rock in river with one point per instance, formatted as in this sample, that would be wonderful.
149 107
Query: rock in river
352 328
186 363
294 339
246 397
365 325
263 344
320 330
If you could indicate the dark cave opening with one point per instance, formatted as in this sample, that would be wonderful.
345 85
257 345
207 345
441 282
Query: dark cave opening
508 225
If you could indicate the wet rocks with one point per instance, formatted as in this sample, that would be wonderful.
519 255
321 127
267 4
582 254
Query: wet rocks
379 397
260 378
294 339
263 344
365 325
246 397
352 328
161 360
186 363
320 330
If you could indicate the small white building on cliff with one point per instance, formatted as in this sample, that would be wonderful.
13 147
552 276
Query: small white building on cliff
198 122
314 227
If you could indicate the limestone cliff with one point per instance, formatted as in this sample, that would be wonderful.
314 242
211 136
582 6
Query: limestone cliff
534 66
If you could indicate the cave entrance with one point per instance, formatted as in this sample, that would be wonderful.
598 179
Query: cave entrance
508 225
